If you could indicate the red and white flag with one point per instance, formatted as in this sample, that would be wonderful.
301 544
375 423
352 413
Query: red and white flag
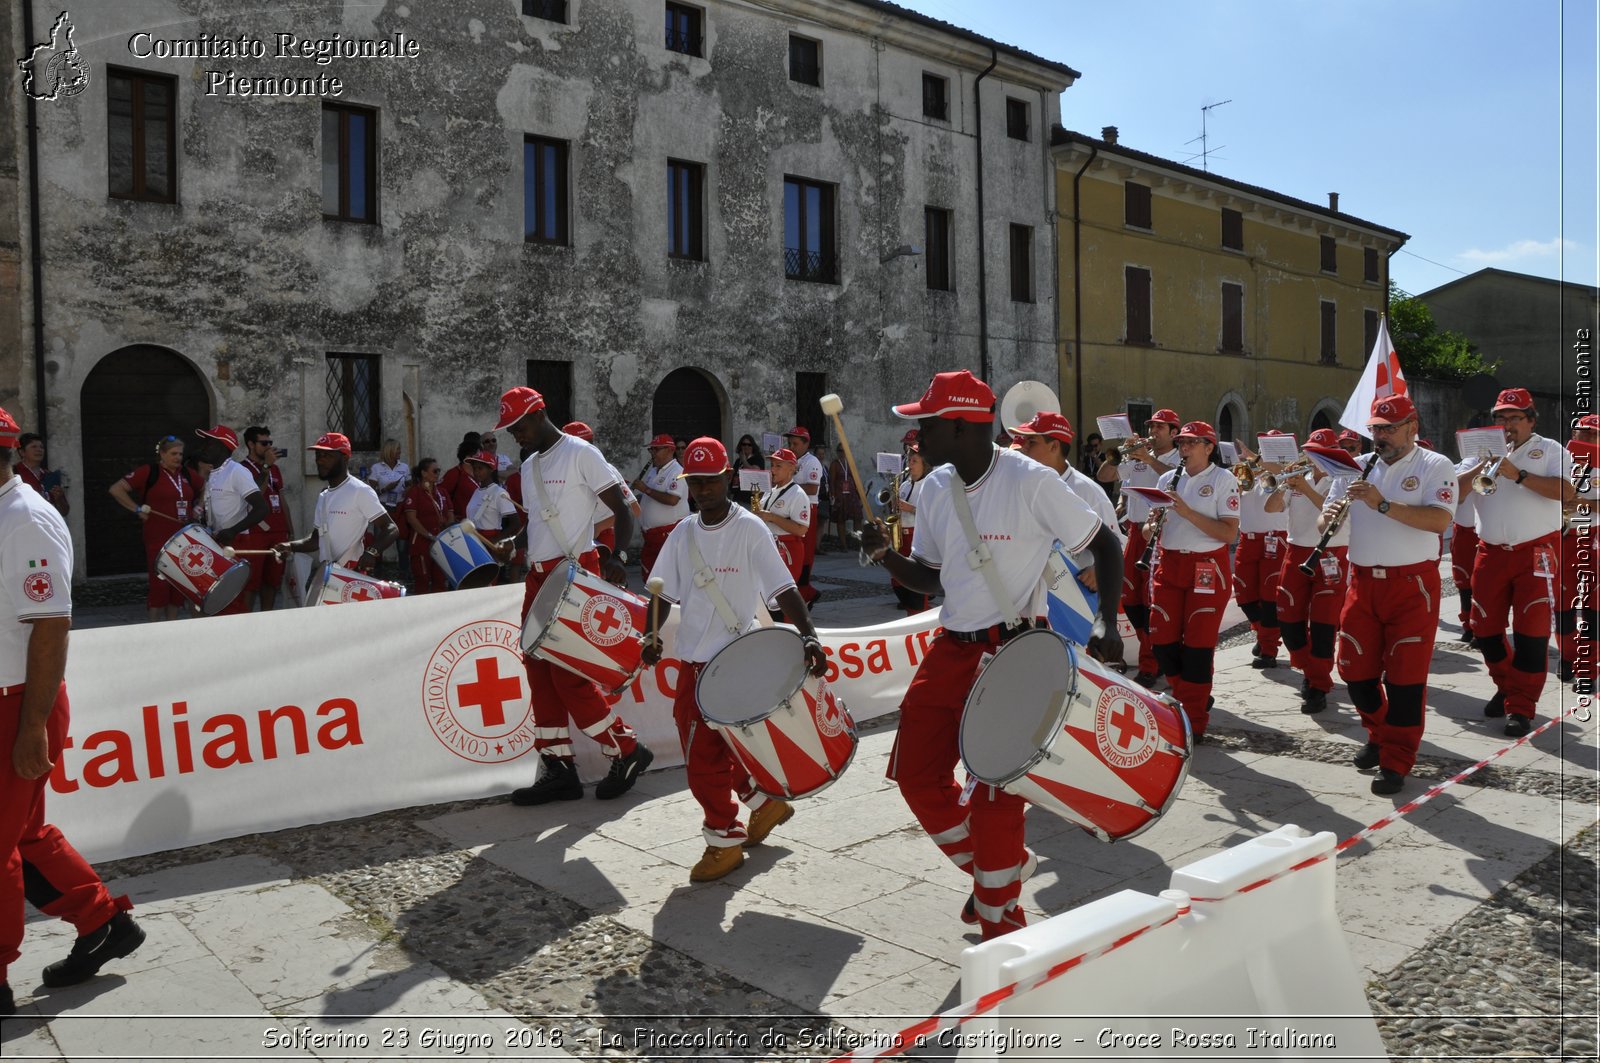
1380 379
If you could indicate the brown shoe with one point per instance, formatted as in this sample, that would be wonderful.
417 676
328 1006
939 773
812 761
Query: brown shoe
719 860
772 814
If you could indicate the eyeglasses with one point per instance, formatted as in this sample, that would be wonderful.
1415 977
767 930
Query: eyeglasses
263 442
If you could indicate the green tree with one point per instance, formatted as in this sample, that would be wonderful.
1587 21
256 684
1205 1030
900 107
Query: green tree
1426 351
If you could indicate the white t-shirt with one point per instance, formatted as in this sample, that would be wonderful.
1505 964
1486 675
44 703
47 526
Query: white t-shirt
1135 473
502 462
602 512
1094 496
809 471
489 508
749 573
653 514
1303 513
1020 508
575 472
789 502
1513 513
399 474
1421 478
1213 492
342 516
35 572
911 490
226 490
1253 515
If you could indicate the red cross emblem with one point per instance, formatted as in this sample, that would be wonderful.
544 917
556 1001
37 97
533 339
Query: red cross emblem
607 620
363 593
1127 725
37 587
197 558
490 692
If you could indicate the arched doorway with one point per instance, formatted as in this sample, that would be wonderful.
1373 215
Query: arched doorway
687 405
1320 420
132 398
1231 423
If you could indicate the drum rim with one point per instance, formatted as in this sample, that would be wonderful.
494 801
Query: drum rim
1061 711
184 528
323 568
700 679
545 626
206 609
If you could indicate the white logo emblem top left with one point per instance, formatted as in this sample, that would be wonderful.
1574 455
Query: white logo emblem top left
55 69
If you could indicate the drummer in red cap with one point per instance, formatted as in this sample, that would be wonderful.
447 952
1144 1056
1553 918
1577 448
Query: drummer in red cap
1142 468
347 510
1517 566
663 500
1018 510
720 567
561 479
1576 618
1192 575
605 525
1391 613
233 501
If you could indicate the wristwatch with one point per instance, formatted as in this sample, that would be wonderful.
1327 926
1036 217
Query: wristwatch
1522 474
1383 507
620 555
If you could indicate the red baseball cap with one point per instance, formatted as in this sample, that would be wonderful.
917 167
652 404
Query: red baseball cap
1588 422
579 429
662 440
225 434
704 457
1324 437
911 438
1274 432
1045 423
1165 417
517 404
328 441
483 457
784 454
799 431
9 432
958 396
1391 409
1349 435
1512 399
1198 430
1424 444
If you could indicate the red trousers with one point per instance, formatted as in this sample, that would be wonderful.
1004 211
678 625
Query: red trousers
1136 596
654 538
1256 565
1463 555
984 838
557 694
265 569
426 576
40 865
1188 593
1308 611
1520 582
792 548
1386 633
715 775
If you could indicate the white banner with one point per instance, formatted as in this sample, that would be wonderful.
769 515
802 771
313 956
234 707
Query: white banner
213 729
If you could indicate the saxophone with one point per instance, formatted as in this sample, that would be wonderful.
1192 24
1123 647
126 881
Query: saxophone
891 516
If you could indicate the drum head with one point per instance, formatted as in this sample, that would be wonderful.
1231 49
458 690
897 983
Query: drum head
752 676
549 598
316 579
1017 706
229 586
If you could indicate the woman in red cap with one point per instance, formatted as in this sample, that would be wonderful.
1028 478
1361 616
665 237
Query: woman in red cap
1192 577
1308 606
1143 468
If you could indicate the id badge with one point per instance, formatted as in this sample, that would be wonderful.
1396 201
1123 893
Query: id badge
1272 546
277 503
1205 578
183 509
983 662
1543 562
1330 568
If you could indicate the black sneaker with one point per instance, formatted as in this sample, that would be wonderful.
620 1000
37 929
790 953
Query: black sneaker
1366 757
116 937
1517 726
1146 679
624 772
1387 782
1260 661
557 782
1313 702
1495 707
8 1003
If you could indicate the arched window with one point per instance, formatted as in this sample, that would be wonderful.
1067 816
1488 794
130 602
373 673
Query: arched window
687 405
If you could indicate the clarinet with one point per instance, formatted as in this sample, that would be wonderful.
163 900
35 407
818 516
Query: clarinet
1146 558
1335 522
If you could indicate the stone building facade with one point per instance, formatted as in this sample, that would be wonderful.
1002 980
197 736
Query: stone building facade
692 218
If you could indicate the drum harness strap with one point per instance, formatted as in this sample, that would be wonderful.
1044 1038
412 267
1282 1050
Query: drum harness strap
978 556
491 496
706 579
548 511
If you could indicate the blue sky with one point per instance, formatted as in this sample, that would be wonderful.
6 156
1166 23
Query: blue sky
1451 120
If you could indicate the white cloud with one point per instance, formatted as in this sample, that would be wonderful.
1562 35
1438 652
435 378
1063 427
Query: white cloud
1520 251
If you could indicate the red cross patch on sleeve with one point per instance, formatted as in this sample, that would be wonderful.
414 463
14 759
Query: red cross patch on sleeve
38 586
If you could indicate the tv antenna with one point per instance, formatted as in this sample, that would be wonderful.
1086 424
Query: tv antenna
1204 149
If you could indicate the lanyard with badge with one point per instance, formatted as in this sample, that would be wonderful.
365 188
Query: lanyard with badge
182 502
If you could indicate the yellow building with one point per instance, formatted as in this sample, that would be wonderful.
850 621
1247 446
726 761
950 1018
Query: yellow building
1226 302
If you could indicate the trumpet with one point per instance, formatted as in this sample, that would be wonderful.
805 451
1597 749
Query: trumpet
1277 481
1484 482
1246 472
1131 447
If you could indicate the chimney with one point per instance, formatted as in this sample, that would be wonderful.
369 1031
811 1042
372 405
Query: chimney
1333 201
1108 134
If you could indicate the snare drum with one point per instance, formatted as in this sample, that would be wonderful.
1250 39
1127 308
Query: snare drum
802 740
195 564
463 558
587 626
1072 735
332 584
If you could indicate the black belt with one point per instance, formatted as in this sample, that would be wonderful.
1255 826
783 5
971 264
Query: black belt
997 633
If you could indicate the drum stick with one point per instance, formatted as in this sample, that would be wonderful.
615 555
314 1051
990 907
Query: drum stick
833 405
231 552
654 585
159 513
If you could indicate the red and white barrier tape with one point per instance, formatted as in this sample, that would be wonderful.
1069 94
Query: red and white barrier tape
968 1010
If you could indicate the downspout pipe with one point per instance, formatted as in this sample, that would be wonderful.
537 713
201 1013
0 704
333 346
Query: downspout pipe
1077 286
35 251
983 274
